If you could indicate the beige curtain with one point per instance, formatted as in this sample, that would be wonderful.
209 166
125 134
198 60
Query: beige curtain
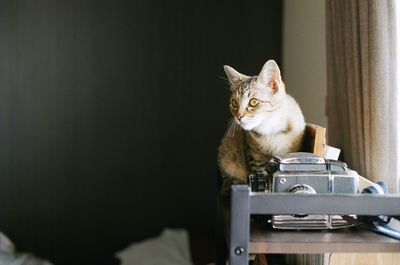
363 88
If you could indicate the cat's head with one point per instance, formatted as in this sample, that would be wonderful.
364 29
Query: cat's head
254 98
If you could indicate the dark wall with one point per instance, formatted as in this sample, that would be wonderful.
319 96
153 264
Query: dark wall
111 113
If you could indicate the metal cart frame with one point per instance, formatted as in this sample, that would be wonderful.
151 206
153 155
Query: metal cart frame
245 239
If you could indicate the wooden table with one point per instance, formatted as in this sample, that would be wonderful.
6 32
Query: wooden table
266 240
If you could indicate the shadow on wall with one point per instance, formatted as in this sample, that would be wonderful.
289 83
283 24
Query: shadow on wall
111 113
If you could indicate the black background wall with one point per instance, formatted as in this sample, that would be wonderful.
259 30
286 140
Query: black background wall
111 113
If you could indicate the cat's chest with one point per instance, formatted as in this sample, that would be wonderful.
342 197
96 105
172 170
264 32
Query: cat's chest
268 145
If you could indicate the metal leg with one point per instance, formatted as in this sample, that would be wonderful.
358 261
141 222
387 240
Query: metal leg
240 225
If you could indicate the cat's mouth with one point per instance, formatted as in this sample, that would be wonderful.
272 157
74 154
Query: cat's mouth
247 123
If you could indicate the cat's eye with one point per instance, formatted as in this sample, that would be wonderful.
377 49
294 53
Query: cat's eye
234 103
254 102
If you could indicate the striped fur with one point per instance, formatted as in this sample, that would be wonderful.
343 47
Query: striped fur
274 125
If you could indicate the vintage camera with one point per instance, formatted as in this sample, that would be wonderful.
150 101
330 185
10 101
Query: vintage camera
305 173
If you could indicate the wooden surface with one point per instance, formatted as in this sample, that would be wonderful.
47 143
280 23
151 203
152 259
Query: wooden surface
266 240
364 259
314 139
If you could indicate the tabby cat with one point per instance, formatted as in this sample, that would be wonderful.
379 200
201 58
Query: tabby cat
266 122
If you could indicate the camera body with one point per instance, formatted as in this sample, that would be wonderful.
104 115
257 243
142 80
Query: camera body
305 173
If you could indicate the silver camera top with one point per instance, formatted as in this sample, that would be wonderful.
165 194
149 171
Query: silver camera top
308 162
300 158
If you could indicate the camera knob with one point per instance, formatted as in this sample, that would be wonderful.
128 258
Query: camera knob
302 189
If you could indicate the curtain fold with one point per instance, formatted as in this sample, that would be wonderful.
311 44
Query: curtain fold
363 96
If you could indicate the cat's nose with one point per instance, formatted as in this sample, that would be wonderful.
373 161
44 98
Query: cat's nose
239 116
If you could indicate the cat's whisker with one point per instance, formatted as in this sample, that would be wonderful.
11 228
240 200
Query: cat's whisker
229 129
226 81
232 128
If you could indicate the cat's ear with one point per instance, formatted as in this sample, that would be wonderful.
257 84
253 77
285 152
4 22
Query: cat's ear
233 75
270 76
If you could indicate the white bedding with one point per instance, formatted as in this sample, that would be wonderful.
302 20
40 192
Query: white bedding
171 247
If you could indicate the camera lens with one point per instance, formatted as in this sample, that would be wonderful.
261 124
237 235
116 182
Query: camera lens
302 189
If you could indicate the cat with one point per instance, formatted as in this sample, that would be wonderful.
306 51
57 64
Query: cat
266 122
